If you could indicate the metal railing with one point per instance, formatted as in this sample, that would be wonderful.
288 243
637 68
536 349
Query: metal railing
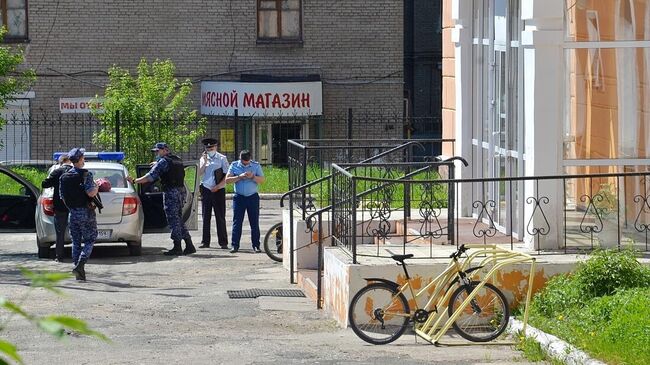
346 198
542 214
315 192
310 160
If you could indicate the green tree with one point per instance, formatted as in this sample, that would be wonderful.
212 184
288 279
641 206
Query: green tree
13 78
153 107
58 326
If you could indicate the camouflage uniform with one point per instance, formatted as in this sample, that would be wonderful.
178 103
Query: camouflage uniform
83 223
173 201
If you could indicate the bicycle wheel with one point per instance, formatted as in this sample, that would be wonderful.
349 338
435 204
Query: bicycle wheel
273 242
485 318
378 314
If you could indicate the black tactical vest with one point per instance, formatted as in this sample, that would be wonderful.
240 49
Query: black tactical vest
174 177
73 192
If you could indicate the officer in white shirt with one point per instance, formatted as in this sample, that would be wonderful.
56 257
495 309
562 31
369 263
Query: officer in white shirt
213 167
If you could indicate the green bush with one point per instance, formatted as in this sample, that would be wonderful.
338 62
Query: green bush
603 308
609 271
605 273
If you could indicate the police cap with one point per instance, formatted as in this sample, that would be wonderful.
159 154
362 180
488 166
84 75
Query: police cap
209 142
76 153
160 146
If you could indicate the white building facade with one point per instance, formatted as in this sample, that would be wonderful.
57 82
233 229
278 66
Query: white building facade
548 87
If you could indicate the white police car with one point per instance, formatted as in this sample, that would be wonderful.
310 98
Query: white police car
127 213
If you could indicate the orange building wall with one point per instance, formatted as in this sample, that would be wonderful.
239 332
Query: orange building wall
594 100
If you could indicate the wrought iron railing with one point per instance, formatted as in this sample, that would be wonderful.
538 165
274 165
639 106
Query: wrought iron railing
309 161
542 214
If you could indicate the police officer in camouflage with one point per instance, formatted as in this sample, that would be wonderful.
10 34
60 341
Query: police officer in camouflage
171 172
77 188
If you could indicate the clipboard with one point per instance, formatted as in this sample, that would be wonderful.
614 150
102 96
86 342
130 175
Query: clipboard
219 175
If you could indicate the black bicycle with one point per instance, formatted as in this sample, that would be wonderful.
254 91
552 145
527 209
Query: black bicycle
273 242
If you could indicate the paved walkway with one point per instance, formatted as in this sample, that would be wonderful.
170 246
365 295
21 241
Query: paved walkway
161 310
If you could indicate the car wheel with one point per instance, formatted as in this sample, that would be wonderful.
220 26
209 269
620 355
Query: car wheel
135 248
43 252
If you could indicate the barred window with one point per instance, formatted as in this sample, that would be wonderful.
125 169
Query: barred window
279 20
14 18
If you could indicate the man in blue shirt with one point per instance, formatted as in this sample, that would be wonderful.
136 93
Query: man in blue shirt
213 166
246 175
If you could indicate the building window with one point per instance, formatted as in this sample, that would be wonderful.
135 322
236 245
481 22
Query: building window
14 18
279 20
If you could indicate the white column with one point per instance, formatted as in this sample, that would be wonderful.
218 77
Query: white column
544 92
462 38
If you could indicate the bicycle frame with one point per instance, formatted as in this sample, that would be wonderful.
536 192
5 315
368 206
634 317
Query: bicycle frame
441 281
487 255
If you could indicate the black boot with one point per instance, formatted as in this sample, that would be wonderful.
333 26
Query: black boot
189 247
175 251
79 271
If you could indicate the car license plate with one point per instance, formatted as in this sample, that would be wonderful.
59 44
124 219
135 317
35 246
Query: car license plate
104 234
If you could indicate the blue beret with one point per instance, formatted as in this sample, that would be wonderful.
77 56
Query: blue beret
76 153
159 146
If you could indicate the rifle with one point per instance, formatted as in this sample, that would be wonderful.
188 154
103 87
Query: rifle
95 201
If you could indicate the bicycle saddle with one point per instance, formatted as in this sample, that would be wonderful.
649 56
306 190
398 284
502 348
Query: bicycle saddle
401 258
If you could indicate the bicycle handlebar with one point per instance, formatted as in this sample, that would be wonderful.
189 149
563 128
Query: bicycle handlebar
461 250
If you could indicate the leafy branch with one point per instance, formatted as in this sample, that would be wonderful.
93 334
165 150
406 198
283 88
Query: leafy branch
58 326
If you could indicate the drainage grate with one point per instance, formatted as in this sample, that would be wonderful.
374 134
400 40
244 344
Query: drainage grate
254 293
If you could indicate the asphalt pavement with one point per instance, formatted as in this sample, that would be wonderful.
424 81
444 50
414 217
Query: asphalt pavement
175 310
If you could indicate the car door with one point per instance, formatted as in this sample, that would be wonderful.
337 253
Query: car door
18 200
151 196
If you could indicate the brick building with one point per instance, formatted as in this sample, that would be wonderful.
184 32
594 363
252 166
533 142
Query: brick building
354 48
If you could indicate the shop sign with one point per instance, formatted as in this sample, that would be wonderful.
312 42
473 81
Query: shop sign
80 105
262 99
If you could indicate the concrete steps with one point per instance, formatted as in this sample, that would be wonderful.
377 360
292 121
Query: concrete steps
307 281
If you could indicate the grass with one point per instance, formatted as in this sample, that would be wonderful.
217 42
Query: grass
9 186
277 180
603 308
375 194
533 351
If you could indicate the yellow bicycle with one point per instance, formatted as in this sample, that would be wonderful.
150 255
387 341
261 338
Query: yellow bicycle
379 313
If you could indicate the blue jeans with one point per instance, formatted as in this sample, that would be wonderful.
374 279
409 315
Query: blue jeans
242 204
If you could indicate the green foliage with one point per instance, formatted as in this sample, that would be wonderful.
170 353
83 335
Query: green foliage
605 273
12 79
604 307
58 326
31 174
609 271
533 351
153 106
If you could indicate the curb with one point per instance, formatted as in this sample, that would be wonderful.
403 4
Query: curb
553 346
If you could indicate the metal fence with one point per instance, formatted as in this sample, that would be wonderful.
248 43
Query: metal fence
544 214
310 162
37 136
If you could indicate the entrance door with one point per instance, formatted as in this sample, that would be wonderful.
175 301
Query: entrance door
152 200
18 199
281 133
